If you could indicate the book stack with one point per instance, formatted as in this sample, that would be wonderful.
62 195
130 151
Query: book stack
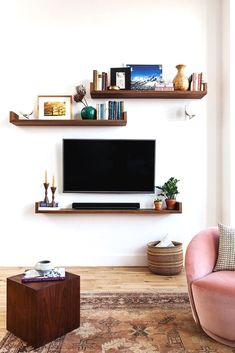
100 80
111 110
197 82
164 86
32 275
47 206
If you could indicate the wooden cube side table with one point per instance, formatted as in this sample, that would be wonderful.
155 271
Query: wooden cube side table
40 312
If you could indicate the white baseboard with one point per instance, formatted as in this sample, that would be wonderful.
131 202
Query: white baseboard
92 260
115 260
103 260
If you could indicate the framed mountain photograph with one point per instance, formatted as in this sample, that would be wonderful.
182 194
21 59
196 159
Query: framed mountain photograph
145 77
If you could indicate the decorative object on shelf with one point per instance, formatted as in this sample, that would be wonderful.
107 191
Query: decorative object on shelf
145 77
25 114
46 184
165 260
54 107
46 204
169 190
181 81
121 77
44 266
113 88
46 200
158 204
88 112
80 95
53 189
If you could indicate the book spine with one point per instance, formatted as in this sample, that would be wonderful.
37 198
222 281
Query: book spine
99 82
121 108
104 81
95 80
97 111
42 279
115 110
102 111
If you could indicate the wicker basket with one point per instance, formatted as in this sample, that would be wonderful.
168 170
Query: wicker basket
165 260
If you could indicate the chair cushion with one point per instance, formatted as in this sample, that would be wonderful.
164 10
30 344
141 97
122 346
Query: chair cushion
214 298
226 255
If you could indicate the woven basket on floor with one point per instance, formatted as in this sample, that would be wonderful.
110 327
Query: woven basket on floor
165 260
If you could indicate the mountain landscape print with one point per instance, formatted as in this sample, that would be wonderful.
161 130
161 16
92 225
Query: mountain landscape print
145 77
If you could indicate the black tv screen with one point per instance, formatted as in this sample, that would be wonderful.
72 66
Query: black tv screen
112 166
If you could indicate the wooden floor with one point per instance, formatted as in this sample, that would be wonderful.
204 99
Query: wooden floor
104 279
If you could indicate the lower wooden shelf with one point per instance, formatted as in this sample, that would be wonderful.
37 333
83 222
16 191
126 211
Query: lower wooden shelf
14 119
140 211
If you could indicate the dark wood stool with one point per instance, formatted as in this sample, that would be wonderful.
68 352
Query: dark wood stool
39 312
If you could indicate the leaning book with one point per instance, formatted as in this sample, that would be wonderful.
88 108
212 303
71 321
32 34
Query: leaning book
56 274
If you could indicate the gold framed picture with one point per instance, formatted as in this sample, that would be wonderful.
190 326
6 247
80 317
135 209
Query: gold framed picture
54 107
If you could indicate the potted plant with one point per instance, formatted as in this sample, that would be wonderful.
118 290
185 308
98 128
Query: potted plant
169 190
158 204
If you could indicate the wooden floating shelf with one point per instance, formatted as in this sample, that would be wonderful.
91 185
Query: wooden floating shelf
14 119
134 94
141 211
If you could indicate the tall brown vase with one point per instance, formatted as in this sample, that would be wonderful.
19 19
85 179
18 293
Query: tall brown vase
181 82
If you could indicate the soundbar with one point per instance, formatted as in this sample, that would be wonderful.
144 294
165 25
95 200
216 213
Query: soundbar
105 205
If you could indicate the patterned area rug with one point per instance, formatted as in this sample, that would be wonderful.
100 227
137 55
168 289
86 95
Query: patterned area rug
129 323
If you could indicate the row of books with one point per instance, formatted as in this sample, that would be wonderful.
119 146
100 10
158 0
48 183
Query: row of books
100 80
111 110
197 82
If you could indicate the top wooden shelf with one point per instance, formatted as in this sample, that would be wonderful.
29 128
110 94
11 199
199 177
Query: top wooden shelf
14 119
134 94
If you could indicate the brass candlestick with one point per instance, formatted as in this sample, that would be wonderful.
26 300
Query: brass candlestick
46 200
53 189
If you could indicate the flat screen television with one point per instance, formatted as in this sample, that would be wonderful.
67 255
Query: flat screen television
108 166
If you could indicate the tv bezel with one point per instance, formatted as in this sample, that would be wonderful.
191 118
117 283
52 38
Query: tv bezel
109 192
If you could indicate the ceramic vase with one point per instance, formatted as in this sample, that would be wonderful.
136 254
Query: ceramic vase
88 113
181 82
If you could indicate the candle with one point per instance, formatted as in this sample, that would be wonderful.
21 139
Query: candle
53 181
46 176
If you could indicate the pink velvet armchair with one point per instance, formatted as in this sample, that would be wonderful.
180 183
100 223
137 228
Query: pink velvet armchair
212 294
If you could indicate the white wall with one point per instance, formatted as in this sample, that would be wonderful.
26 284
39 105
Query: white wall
48 47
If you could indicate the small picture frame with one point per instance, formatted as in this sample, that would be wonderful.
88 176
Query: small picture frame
121 77
54 107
